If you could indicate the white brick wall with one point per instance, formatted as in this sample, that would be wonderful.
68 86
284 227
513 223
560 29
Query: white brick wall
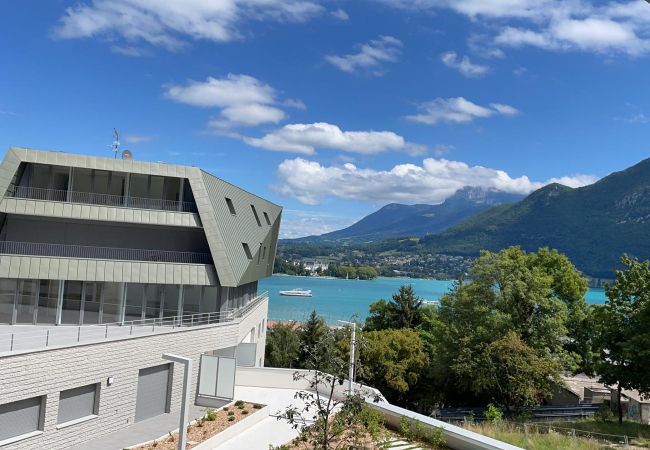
50 371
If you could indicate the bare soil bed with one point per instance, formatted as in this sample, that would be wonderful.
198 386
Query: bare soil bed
204 428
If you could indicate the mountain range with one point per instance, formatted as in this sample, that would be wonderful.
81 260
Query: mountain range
397 220
593 225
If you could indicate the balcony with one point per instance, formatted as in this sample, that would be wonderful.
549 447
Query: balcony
90 198
87 252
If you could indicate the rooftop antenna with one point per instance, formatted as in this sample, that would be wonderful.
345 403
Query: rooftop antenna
115 147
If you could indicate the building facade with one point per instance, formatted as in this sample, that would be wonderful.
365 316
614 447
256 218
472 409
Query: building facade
105 264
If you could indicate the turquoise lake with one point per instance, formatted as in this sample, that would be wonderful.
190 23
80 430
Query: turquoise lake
337 299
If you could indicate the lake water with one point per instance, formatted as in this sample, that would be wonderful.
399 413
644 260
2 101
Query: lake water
338 299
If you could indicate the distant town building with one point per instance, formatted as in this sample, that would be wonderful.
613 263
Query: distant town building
312 265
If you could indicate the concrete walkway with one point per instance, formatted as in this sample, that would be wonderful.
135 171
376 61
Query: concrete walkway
270 431
140 432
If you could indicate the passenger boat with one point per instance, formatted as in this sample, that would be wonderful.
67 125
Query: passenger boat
297 293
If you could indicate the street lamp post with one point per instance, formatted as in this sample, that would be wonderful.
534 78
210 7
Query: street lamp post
353 345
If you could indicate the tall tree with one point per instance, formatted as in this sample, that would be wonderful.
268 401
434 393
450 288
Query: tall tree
402 311
312 333
624 335
282 346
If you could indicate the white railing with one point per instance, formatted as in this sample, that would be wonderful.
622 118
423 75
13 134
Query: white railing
65 335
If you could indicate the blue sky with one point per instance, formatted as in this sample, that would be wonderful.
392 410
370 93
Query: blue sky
335 108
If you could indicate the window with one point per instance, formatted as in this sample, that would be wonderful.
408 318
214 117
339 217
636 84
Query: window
259 253
257 218
247 250
231 207
266 217
20 419
78 403
264 253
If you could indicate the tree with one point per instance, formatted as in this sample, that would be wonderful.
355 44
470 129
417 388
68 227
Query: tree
312 332
282 346
402 311
392 361
623 333
516 301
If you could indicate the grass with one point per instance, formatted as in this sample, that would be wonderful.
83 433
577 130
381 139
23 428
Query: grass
639 432
533 440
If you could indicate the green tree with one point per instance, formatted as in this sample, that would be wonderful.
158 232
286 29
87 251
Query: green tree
392 361
312 333
623 332
516 301
282 346
402 311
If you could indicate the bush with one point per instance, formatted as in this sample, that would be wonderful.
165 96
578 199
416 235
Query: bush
225 408
231 418
245 411
258 406
210 414
493 413
603 414
414 430
231 413
239 403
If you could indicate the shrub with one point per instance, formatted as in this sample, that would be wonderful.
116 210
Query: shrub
231 418
493 413
155 444
239 403
258 406
245 411
210 414
225 408
414 430
603 414
231 413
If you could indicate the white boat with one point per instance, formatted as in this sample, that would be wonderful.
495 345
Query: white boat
297 293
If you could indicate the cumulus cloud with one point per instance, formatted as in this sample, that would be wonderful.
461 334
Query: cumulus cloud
458 110
370 55
559 25
463 65
432 182
243 100
306 138
170 23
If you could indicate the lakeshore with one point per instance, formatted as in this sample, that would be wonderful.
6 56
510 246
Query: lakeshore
341 299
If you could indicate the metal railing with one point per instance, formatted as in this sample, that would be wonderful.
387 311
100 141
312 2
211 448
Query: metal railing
122 254
65 335
58 195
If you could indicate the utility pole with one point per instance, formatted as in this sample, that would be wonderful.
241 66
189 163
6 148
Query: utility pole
353 347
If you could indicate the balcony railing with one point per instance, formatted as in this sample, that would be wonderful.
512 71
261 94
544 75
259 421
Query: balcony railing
33 337
122 254
58 195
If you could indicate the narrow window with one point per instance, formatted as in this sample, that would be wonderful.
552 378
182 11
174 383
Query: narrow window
77 403
231 207
266 217
264 253
257 218
21 418
259 253
247 250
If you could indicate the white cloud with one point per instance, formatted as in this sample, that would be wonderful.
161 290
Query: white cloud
340 14
463 65
137 138
242 99
458 110
614 27
168 23
370 55
635 118
299 223
432 182
306 138
442 149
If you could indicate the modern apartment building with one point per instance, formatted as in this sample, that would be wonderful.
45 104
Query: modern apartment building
106 264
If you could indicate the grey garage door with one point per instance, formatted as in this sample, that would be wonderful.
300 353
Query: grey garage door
153 392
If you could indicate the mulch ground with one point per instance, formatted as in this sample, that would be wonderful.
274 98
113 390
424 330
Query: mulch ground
203 430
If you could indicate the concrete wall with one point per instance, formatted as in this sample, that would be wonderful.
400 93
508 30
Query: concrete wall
50 371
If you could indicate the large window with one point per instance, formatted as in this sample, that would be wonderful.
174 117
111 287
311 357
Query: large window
92 303
154 293
7 297
78 403
21 418
112 302
170 303
71 310
48 298
26 301
134 300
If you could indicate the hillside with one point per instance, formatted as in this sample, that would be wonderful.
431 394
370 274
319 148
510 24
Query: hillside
593 225
397 220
